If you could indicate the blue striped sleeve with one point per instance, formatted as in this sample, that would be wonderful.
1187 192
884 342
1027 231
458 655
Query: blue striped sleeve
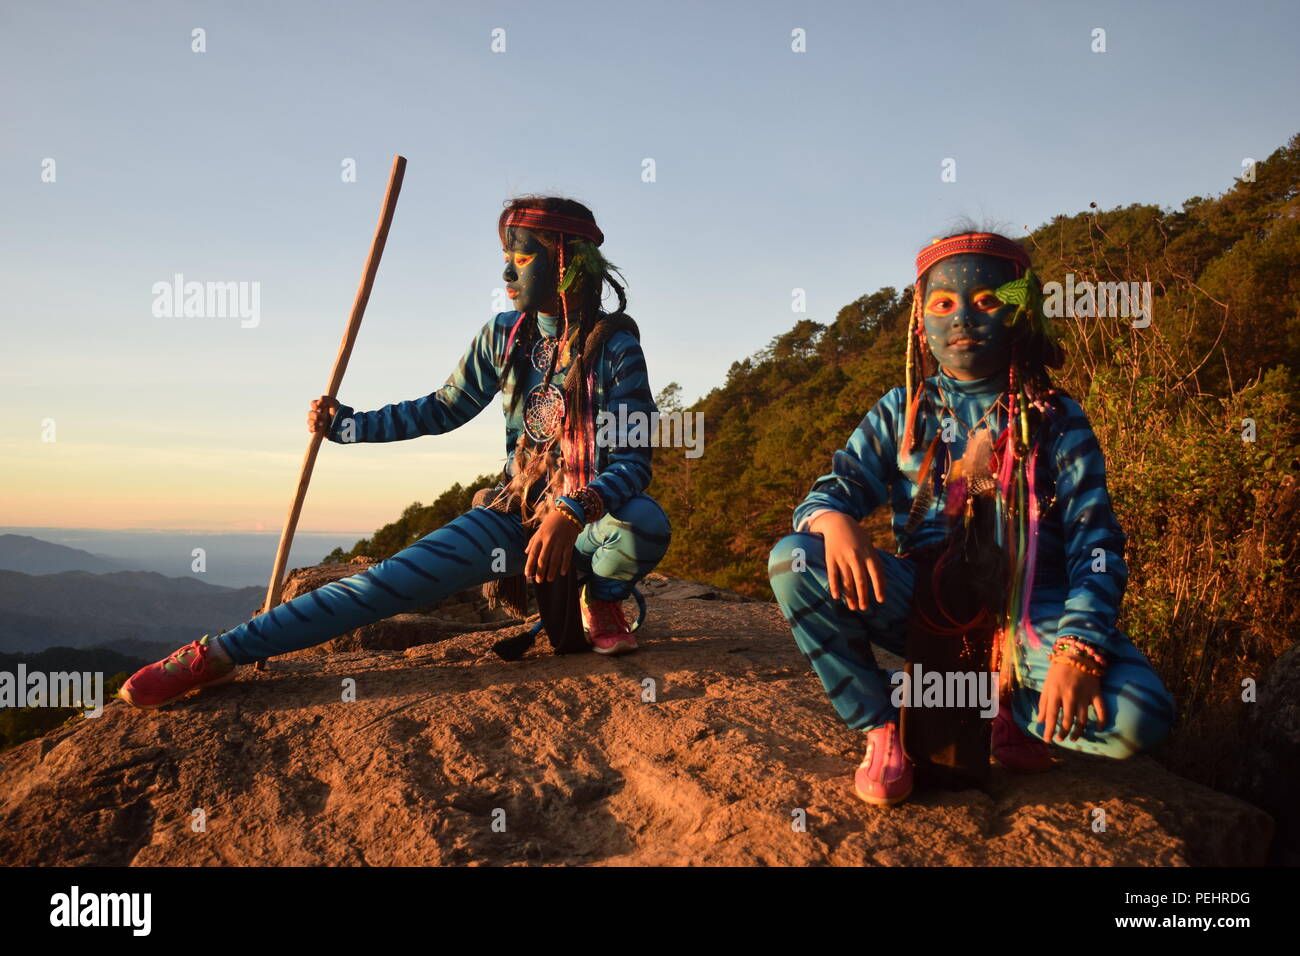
1094 543
863 470
466 393
626 471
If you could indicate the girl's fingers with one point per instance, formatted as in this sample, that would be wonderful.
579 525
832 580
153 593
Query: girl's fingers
877 576
530 567
1047 707
860 586
833 578
1080 720
1099 706
1069 714
1068 711
1058 722
844 584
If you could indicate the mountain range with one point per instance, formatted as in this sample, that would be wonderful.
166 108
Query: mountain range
56 596
20 552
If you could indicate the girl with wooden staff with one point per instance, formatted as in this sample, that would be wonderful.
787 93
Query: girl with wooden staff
570 500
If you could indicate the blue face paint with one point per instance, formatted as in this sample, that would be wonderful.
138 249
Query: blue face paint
530 272
965 323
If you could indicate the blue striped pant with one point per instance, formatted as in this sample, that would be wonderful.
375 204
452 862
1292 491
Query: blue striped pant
617 550
837 642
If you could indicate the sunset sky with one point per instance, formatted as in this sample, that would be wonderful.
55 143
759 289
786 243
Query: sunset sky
775 170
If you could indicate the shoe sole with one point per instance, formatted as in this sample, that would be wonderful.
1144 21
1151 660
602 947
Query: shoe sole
125 694
881 801
622 647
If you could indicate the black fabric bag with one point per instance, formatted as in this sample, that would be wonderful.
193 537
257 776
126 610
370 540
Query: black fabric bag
949 746
557 601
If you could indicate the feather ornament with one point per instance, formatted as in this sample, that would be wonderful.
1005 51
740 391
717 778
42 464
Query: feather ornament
924 490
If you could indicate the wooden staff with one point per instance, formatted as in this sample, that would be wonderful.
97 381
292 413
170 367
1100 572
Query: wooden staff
336 379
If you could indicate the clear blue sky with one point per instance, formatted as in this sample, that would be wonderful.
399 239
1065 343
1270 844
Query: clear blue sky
775 170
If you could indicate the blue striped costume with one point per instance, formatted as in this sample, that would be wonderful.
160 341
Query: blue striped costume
617 550
1078 588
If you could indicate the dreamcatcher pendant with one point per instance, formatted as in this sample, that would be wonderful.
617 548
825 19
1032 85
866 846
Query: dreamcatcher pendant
543 411
542 354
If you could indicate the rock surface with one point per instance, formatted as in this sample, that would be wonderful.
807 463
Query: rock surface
707 747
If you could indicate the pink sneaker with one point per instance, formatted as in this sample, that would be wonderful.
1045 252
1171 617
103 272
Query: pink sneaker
607 628
193 665
1016 750
885 776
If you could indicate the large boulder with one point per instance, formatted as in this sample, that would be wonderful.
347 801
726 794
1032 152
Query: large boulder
714 744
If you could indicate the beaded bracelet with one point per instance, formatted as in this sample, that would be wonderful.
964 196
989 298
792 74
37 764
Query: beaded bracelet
570 515
593 506
1081 647
1081 650
1076 663
1078 642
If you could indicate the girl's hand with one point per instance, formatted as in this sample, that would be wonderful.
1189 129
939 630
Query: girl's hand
550 549
850 560
1065 697
321 414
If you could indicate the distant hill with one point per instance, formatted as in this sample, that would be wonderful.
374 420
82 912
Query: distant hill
53 659
133 612
19 552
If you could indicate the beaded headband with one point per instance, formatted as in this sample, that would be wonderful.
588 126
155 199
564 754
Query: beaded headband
553 221
979 243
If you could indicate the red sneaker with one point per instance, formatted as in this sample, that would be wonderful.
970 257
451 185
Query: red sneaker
885 776
1016 750
194 665
607 628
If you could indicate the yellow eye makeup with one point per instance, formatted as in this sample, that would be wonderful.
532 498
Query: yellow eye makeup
944 303
940 303
520 259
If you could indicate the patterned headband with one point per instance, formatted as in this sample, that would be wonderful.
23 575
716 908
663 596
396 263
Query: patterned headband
553 221
978 243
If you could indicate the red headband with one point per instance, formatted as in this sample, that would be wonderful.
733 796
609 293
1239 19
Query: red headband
554 221
978 243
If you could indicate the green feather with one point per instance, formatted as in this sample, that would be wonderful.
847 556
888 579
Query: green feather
586 261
